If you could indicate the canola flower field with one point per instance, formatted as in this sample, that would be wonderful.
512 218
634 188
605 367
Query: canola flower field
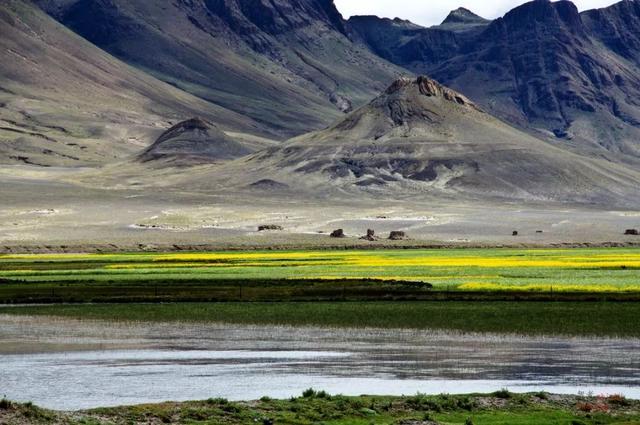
556 270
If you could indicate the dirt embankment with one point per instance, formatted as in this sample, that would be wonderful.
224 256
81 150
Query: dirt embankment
349 243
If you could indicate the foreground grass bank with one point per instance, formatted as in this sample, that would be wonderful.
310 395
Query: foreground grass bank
526 318
546 270
320 408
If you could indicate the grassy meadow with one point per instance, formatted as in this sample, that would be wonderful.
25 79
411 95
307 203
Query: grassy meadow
585 291
538 270
318 407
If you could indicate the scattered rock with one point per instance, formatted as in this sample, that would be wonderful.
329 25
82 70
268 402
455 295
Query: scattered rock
515 233
563 134
343 103
266 227
397 235
632 232
370 236
539 231
339 233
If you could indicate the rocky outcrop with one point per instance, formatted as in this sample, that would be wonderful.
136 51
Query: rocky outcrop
463 16
430 87
270 227
397 235
409 106
370 236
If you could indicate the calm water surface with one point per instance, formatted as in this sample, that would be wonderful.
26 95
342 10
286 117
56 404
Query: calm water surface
67 364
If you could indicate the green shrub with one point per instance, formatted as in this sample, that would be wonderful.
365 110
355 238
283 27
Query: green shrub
5 404
503 393
542 395
231 408
218 401
309 393
468 421
465 403
323 394
356 403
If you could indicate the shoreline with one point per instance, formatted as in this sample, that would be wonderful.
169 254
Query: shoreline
319 407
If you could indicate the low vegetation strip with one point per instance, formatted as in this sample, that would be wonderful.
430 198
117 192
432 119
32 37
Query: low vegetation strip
525 318
318 407
601 270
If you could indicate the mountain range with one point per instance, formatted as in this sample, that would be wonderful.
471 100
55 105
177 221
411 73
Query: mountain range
571 77
541 104
421 139
286 64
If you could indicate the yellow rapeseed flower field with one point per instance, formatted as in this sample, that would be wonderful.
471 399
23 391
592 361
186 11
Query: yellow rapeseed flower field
602 270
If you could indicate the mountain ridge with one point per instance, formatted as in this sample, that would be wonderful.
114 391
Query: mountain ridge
288 65
567 76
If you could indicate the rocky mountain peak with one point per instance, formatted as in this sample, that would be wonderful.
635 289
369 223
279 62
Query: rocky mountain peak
463 16
409 107
545 12
428 87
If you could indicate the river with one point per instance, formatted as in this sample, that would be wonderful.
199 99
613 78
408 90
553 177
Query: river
69 364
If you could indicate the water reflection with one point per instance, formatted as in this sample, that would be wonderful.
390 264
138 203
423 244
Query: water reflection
66 364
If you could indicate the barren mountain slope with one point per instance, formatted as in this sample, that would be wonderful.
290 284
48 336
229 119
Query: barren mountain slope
419 140
63 101
285 63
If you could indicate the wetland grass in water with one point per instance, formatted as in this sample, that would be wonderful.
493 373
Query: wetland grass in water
606 319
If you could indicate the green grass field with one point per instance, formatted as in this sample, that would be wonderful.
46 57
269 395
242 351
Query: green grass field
525 318
500 408
542 270
587 291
